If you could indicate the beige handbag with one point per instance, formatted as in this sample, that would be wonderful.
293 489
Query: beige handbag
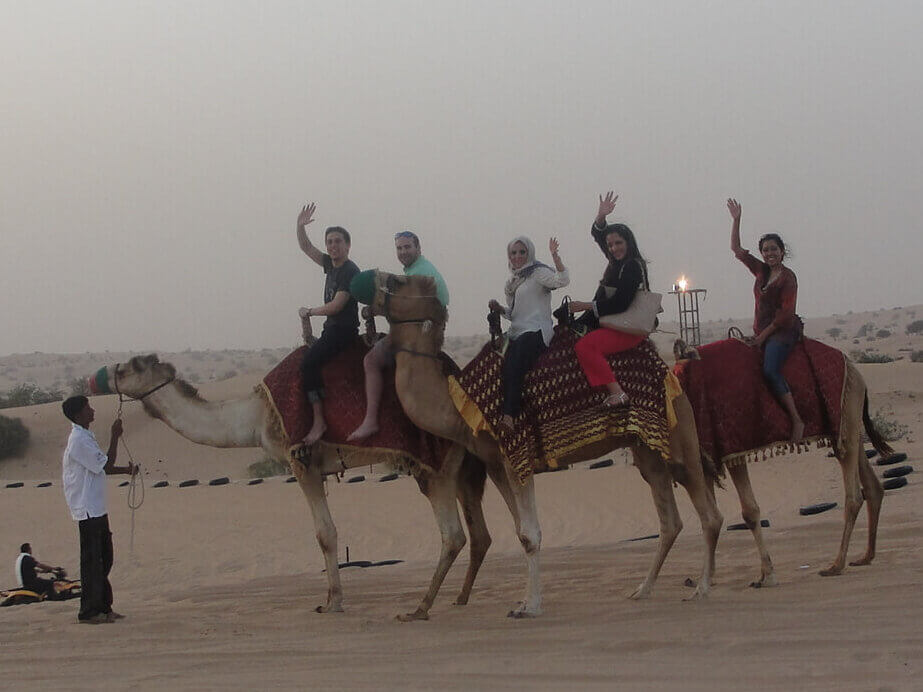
640 318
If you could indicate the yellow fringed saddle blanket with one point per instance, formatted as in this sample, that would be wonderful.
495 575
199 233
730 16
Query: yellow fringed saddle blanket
561 414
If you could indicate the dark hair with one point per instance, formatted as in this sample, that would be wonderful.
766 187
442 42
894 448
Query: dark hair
408 234
338 229
25 548
772 236
74 405
632 251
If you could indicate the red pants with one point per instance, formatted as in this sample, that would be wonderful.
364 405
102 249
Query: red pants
593 348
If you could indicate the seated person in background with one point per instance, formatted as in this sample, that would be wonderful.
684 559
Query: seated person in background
409 254
528 299
341 328
26 569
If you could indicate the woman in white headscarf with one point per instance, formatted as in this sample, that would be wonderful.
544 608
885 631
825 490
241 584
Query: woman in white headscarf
528 300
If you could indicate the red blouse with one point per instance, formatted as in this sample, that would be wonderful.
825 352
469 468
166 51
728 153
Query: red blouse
775 302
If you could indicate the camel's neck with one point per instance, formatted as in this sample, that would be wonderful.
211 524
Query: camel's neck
231 423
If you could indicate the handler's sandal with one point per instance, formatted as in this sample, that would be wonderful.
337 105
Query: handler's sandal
98 619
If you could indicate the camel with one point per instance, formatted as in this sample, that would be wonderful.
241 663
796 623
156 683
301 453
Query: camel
248 422
417 328
854 465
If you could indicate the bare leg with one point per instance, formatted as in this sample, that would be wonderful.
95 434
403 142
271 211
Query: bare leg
751 516
440 491
312 485
788 401
373 364
849 465
654 471
320 424
470 489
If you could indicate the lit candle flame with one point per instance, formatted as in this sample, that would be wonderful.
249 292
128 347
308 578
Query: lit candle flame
682 283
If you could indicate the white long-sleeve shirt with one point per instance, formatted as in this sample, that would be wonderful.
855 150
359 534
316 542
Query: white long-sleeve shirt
532 303
83 475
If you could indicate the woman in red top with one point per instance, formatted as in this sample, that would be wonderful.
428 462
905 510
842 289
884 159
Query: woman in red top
776 326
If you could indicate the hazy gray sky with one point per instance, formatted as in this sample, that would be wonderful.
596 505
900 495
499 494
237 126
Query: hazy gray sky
155 154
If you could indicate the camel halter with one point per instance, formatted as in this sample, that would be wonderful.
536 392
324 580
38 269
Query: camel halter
386 288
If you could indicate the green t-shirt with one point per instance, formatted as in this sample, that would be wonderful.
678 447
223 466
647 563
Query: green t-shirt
423 267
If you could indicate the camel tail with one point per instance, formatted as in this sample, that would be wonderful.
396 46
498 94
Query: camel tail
878 442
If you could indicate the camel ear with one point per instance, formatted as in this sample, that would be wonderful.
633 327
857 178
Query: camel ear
151 359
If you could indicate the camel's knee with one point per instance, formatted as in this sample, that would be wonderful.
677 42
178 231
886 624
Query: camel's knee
531 539
326 539
454 543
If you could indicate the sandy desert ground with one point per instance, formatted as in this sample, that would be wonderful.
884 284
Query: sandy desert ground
220 587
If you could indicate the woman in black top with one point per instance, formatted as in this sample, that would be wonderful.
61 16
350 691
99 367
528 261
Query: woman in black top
625 273
341 310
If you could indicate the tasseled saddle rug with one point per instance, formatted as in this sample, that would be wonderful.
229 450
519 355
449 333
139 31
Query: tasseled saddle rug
736 415
561 414
398 440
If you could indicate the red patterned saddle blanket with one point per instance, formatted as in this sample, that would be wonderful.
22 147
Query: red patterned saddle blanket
561 414
736 414
398 440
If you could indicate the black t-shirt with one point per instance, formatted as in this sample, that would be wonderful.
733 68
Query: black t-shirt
27 570
337 280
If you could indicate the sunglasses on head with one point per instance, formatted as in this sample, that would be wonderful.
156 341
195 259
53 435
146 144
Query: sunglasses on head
405 234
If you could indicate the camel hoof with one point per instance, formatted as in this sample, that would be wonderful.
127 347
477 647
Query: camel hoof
640 594
862 562
411 617
833 571
521 614
697 595
461 601
329 609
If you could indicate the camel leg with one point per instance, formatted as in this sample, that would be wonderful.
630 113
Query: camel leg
750 511
470 495
530 536
849 465
874 493
440 491
312 485
654 471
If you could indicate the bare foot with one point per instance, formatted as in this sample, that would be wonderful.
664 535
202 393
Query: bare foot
317 432
366 429
797 431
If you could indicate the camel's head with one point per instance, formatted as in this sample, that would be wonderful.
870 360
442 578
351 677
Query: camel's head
135 379
399 298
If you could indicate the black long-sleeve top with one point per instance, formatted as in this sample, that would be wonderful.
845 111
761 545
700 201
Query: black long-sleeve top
621 278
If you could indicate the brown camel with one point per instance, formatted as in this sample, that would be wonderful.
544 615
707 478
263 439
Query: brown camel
854 465
250 422
417 327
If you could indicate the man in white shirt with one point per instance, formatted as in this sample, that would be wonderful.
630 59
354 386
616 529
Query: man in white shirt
84 475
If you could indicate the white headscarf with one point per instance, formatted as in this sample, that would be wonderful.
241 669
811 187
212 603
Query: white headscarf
517 276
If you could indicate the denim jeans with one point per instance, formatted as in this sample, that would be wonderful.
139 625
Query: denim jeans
775 353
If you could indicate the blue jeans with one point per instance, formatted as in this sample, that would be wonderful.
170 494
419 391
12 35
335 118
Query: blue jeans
775 353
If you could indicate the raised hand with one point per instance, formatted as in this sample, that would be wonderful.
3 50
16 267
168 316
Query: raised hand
553 247
304 218
734 208
606 204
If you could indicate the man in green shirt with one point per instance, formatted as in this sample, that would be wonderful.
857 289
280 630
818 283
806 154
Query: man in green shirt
381 356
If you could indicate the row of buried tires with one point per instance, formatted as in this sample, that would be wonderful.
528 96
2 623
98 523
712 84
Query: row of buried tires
224 480
892 478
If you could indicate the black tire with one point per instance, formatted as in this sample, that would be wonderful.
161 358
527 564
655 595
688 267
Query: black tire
602 464
643 538
161 484
384 563
224 480
894 483
897 471
46 484
290 479
355 479
895 458
254 481
869 453
17 484
816 509
189 483
123 484
743 527
389 477
356 563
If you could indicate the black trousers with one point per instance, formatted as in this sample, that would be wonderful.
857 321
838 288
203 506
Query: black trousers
332 340
521 354
95 564
41 586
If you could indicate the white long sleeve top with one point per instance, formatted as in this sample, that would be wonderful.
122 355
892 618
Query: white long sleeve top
531 305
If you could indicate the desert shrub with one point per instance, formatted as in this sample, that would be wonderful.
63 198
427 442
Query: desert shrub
865 329
13 436
882 333
916 357
28 394
867 357
834 332
915 327
268 467
887 427
78 385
